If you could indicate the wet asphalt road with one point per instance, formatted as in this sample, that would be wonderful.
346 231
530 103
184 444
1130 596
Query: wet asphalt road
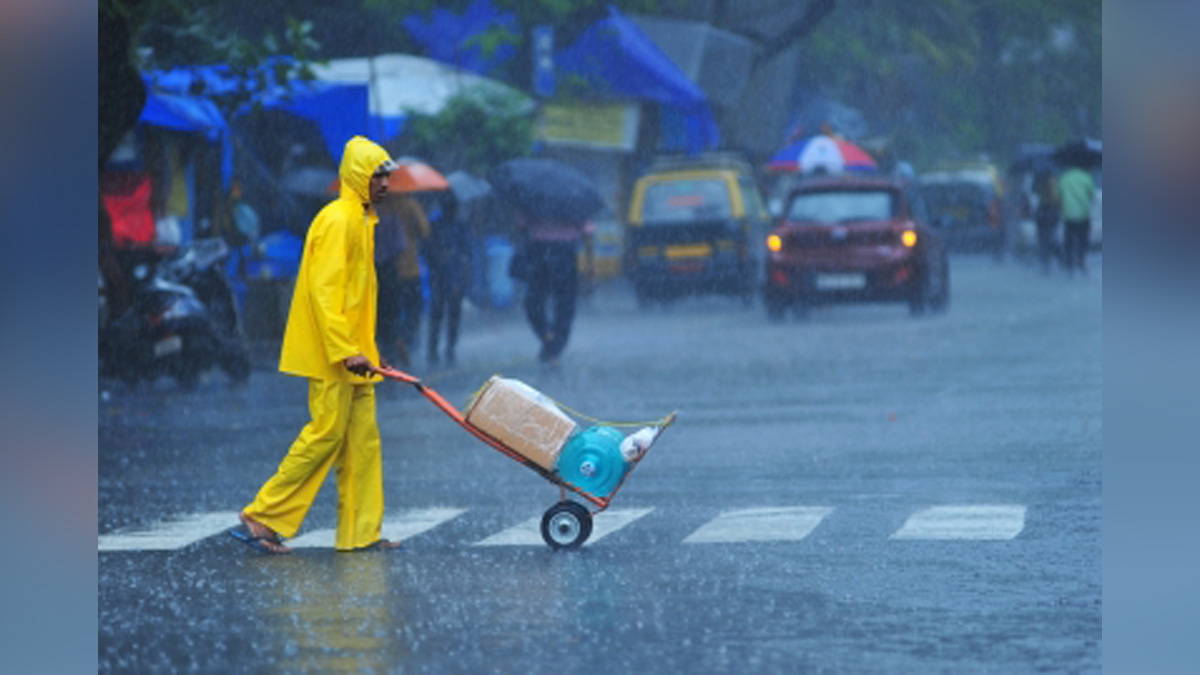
863 415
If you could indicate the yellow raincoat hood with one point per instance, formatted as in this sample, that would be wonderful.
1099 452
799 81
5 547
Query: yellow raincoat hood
360 160
332 315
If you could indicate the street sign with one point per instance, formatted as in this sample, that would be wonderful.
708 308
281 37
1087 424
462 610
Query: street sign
543 61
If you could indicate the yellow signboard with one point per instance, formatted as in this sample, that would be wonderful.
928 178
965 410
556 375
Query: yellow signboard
601 125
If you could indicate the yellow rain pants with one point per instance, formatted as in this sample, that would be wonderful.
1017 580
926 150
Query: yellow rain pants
343 434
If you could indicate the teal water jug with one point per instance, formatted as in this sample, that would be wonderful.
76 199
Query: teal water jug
592 460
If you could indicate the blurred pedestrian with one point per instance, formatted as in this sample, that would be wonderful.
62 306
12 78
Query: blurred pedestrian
247 226
389 244
1046 215
1077 190
448 255
330 339
401 295
547 262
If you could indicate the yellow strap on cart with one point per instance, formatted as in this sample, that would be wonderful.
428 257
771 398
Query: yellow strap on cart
660 422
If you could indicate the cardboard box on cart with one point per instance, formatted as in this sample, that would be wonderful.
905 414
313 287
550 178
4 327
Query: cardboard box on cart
521 418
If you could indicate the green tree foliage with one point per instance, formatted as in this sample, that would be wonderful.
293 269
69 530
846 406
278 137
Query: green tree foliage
171 33
569 18
475 131
963 77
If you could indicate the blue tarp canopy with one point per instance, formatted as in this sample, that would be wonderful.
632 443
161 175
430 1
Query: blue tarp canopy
339 110
447 37
184 113
619 61
193 114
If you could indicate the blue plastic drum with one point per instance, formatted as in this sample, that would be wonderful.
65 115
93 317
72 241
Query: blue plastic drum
592 460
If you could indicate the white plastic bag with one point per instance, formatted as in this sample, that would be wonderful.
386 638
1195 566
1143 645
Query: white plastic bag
636 444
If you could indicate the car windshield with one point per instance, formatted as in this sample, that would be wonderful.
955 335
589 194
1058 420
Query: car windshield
842 206
672 201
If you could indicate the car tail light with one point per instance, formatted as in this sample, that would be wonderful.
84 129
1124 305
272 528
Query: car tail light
902 275
779 277
774 243
908 238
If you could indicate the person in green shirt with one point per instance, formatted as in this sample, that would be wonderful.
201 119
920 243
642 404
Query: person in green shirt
1076 190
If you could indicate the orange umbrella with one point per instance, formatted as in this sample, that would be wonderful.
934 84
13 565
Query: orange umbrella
414 176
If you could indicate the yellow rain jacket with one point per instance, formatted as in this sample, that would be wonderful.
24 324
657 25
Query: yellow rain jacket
332 316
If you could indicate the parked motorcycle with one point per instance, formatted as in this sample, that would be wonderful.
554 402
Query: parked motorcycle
199 267
181 323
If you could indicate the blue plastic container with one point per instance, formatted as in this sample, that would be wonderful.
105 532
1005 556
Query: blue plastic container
499 252
591 460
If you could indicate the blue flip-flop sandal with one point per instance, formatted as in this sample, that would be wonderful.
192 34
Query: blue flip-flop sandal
244 536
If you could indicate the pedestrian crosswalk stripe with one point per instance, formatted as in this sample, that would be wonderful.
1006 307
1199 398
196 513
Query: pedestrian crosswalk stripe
397 527
786 523
976 522
169 535
529 533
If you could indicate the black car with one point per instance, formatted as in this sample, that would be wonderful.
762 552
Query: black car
966 206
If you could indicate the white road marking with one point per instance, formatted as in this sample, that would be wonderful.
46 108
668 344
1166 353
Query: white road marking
963 522
170 535
786 523
977 522
397 527
529 533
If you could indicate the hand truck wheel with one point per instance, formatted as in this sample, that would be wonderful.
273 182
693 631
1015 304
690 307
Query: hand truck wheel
566 525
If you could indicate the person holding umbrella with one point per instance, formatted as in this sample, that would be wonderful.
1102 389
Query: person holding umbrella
402 232
551 204
1077 190
403 229
548 265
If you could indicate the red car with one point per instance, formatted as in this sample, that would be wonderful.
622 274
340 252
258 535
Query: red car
855 239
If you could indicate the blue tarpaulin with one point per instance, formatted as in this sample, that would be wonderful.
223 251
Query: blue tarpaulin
183 113
339 110
193 114
448 37
617 60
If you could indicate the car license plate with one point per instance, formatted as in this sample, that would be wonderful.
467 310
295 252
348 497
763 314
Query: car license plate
168 345
841 282
690 267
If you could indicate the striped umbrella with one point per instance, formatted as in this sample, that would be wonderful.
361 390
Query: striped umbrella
822 154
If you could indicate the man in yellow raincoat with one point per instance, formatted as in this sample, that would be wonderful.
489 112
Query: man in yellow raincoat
330 339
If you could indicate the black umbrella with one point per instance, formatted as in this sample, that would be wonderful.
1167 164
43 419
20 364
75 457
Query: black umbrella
1032 163
546 189
1085 154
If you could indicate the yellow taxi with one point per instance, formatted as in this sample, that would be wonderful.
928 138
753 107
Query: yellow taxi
694 227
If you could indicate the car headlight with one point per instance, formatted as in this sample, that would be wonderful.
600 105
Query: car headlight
774 243
908 238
